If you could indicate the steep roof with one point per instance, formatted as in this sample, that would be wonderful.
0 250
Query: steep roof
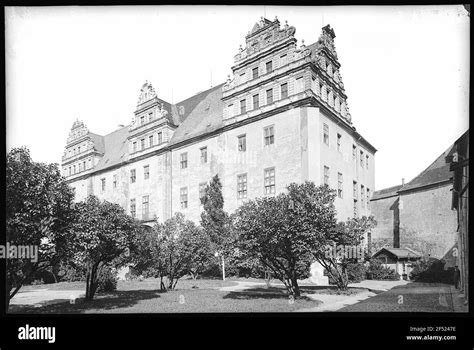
204 117
400 253
98 141
437 172
185 107
386 192
116 148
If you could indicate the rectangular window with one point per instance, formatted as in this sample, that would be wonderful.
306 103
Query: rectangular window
135 146
115 181
255 73
339 137
69 170
269 96
142 120
354 189
160 137
80 167
354 153
184 160
242 143
145 207
269 180
133 175
84 164
202 191
79 149
203 155
362 159
243 106
340 184
150 116
242 186
284 90
269 66
256 102
367 191
367 161
362 195
299 85
269 135
146 172
142 144
242 77
355 208
183 195
231 109
74 169
103 184
326 134
133 207
326 175
150 140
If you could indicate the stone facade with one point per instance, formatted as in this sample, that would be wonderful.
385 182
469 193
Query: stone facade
282 118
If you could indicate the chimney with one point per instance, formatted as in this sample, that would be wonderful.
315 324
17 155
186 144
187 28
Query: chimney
403 181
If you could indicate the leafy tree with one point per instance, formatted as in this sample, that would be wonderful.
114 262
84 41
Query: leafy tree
103 235
283 231
334 258
215 220
171 250
39 210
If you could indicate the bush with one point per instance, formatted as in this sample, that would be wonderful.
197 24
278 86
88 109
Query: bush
356 272
107 279
432 270
376 271
70 273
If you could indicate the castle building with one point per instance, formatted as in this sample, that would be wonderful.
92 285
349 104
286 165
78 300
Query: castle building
282 117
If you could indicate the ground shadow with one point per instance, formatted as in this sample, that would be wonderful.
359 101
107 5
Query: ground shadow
259 293
109 301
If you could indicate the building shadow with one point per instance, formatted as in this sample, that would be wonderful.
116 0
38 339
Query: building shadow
396 223
108 301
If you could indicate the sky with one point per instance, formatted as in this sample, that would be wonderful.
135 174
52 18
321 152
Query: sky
405 70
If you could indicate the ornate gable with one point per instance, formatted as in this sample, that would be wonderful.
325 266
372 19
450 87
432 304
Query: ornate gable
147 93
78 130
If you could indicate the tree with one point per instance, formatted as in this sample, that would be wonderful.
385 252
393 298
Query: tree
215 220
103 235
283 231
171 250
39 210
340 243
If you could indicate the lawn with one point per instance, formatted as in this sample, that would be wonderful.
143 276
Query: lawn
190 296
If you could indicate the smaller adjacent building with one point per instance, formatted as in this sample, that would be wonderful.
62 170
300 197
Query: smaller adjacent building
399 259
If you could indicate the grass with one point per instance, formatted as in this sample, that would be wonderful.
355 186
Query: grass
190 296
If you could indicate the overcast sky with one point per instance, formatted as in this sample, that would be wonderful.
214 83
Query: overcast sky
405 70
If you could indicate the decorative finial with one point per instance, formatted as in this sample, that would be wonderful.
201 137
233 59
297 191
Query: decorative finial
228 78
240 48
302 43
276 18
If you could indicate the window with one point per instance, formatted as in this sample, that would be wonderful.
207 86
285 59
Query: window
160 137
243 106
362 159
203 155
142 143
242 143
362 195
150 116
354 189
326 175
133 208
115 181
340 184
145 207
202 191
283 57
231 109
102 184
339 142
80 167
367 161
133 175
256 102
84 164
326 134
183 195
367 191
255 73
242 186
269 66
269 180
329 98
74 169
321 91
135 146
79 149
355 208
184 160
284 90
69 170
242 77
269 135
142 120
269 96
146 172
299 85
354 153
150 140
